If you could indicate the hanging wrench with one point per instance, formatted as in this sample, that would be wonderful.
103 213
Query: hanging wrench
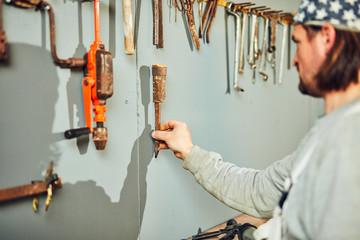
286 20
263 51
251 43
200 3
242 7
231 11
251 58
274 19
282 56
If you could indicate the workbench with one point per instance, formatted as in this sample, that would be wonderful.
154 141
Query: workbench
240 219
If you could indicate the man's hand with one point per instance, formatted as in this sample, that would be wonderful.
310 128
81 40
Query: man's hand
175 136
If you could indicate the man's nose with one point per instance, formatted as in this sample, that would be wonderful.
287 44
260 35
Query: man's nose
295 60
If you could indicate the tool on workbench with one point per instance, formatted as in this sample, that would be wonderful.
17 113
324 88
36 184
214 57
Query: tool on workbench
128 27
231 10
4 46
43 5
187 6
243 231
158 39
159 72
51 182
97 88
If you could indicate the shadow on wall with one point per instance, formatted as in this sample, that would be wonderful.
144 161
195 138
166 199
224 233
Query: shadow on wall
28 93
78 211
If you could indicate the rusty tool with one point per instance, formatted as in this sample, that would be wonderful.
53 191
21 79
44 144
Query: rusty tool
205 17
159 72
4 46
51 182
187 6
211 20
230 10
158 39
128 27
200 4
43 5
97 88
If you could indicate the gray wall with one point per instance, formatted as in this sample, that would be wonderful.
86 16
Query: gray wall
123 192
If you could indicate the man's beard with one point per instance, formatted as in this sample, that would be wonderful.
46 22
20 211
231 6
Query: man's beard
309 89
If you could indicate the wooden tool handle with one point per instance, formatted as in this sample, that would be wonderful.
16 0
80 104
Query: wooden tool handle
159 72
128 27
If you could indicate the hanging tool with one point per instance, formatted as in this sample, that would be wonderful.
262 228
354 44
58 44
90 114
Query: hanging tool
286 20
211 20
274 19
51 182
176 6
43 5
263 49
243 8
4 46
128 27
200 4
97 88
254 12
205 17
231 10
158 39
159 72
187 5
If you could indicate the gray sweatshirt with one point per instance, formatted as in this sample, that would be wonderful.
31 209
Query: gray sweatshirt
325 202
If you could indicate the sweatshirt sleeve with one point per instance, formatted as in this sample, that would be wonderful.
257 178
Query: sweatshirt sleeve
250 191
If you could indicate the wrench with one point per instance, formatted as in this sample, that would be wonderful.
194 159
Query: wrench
282 56
231 11
241 57
274 19
263 50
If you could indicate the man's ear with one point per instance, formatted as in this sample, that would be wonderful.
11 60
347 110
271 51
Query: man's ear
329 34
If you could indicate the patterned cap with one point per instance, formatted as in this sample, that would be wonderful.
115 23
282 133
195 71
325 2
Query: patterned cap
343 14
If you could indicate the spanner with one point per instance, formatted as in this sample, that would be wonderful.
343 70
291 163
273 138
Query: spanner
286 20
263 51
231 11
244 11
251 58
